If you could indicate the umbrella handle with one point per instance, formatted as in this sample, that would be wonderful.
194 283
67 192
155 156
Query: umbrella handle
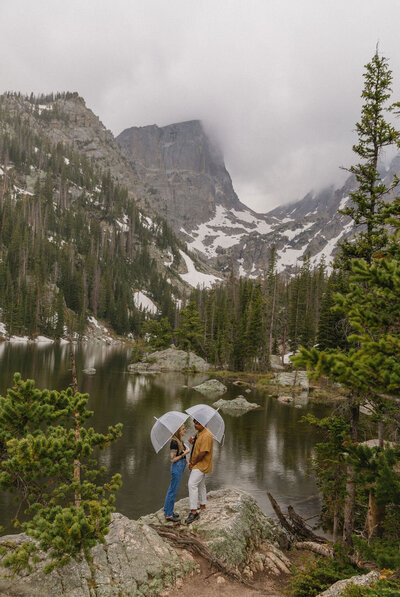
222 441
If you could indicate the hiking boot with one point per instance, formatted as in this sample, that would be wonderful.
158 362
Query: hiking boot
173 518
192 517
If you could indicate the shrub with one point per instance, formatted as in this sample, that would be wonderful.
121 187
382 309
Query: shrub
318 576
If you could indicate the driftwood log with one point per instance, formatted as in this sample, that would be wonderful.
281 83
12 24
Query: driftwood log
328 552
294 524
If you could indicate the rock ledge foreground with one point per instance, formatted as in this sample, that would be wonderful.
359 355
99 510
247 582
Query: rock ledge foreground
135 561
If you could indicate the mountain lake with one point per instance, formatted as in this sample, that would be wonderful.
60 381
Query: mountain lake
264 450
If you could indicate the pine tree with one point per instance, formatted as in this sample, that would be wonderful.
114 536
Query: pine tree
370 369
159 332
368 208
39 449
191 331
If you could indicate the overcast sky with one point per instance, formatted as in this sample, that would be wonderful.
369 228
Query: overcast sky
278 81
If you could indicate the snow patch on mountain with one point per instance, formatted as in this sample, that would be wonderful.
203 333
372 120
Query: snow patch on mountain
225 230
290 234
288 257
194 277
144 303
328 251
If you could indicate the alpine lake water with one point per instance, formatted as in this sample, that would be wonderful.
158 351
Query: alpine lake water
264 450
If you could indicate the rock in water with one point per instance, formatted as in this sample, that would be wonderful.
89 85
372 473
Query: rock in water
170 360
237 406
211 388
89 371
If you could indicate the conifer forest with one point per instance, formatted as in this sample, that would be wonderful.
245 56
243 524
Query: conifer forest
78 245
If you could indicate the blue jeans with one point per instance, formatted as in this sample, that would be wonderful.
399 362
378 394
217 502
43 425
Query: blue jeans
177 469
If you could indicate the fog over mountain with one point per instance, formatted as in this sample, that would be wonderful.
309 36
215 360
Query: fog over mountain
278 82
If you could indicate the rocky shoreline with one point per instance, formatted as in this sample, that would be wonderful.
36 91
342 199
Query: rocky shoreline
138 558
136 561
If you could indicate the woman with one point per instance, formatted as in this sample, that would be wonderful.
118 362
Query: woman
177 455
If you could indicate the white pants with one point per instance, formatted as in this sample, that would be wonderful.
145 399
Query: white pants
197 489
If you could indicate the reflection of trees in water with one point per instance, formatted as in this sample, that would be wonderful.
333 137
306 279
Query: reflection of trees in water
264 449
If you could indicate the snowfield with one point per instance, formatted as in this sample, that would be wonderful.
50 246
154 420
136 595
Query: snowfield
144 303
194 277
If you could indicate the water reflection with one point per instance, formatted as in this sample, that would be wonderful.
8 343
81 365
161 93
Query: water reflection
265 450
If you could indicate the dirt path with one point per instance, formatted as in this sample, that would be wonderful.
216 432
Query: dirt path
208 583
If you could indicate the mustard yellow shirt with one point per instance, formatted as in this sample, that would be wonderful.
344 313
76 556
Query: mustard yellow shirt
204 443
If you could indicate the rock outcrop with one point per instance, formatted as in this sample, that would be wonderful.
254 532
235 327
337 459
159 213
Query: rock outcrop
135 561
362 580
236 407
170 359
233 527
183 169
211 388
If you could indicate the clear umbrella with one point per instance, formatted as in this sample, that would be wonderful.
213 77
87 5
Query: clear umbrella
208 417
165 427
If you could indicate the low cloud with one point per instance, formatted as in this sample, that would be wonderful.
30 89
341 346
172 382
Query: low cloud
278 82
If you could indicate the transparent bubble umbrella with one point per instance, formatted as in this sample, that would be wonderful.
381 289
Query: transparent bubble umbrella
165 427
208 417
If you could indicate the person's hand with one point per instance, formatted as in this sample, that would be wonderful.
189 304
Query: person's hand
191 440
190 466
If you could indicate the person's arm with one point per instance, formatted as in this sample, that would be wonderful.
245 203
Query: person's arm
198 458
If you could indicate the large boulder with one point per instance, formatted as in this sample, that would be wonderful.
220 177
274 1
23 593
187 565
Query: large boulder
134 560
293 379
233 526
236 407
170 359
276 363
211 388
362 580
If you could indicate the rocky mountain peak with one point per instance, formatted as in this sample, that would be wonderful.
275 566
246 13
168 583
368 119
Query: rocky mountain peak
183 169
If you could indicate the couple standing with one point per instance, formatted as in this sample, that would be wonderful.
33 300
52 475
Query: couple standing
200 464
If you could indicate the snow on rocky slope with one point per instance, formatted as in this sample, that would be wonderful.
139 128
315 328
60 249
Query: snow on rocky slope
188 183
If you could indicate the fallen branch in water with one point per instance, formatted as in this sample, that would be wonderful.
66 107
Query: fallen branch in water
294 524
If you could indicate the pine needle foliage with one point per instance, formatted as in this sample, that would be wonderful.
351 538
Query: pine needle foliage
369 207
39 451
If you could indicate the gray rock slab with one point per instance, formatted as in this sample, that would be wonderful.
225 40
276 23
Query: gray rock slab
89 371
170 360
211 388
293 379
276 363
134 560
237 406
233 526
363 580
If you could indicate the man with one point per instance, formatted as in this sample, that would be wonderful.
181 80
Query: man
200 465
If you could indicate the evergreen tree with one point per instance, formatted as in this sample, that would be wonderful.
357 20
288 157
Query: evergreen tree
368 208
159 332
370 369
39 452
190 331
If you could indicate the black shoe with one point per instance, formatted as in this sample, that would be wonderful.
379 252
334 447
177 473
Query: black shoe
192 517
173 518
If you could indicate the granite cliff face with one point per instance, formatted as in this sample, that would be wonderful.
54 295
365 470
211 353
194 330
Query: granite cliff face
183 170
